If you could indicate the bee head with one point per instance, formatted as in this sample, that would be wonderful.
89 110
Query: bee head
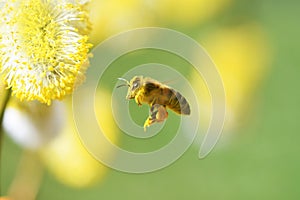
133 86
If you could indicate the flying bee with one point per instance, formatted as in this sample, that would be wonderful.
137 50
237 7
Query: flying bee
159 96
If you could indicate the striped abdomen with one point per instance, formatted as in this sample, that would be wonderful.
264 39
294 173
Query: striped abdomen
163 95
177 103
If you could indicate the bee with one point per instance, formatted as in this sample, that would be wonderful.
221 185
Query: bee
159 96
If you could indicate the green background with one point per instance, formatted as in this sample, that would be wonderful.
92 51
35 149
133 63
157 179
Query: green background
261 161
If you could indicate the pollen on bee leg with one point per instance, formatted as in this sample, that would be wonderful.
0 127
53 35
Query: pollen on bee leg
158 113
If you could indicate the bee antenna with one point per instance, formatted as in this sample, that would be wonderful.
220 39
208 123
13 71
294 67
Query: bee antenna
123 79
122 85
125 84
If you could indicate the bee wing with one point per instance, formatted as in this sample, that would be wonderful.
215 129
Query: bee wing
168 82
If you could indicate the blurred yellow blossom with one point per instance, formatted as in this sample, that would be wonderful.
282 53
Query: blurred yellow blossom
44 47
69 160
104 115
188 12
113 16
32 124
241 54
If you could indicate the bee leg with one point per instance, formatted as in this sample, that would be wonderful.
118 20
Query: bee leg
147 123
158 113
137 100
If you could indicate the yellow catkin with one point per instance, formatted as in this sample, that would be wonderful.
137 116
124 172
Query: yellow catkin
44 47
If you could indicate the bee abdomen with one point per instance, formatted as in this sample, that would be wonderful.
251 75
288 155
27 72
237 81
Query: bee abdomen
178 103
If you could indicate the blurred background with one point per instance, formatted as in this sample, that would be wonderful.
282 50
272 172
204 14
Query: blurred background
255 45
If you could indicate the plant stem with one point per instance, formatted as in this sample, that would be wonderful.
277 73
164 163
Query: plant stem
7 94
2 111
28 177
